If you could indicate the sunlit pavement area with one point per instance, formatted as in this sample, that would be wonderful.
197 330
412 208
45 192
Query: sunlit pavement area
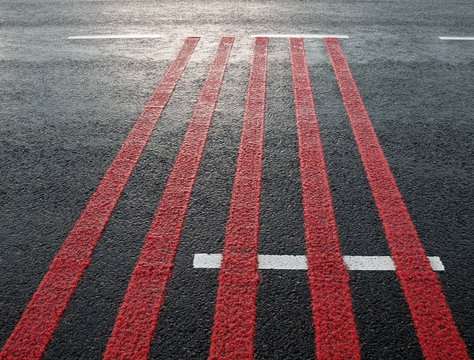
253 225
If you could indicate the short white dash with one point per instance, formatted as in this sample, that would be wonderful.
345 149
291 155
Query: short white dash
124 36
456 37
436 263
207 261
298 262
306 36
369 263
282 262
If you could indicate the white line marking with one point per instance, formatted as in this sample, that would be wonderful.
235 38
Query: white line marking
369 263
436 263
124 36
282 262
306 36
207 261
298 262
456 37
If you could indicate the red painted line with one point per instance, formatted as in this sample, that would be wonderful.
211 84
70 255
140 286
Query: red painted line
234 320
336 333
38 323
437 333
138 315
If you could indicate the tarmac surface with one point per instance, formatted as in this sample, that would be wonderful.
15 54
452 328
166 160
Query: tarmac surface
67 106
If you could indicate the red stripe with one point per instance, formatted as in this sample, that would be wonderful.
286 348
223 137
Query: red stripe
234 320
138 315
438 335
42 315
336 333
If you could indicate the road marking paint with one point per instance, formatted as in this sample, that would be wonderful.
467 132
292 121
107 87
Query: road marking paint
122 36
456 37
38 323
138 315
234 319
302 36
336 332
298 262
439 338
383 263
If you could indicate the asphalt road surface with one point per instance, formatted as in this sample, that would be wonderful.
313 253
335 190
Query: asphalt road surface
132 169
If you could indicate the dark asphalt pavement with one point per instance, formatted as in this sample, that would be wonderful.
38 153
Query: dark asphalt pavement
66 107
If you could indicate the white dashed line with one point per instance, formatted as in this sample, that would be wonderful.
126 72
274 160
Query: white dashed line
298 262
456 37
124 36
305 36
